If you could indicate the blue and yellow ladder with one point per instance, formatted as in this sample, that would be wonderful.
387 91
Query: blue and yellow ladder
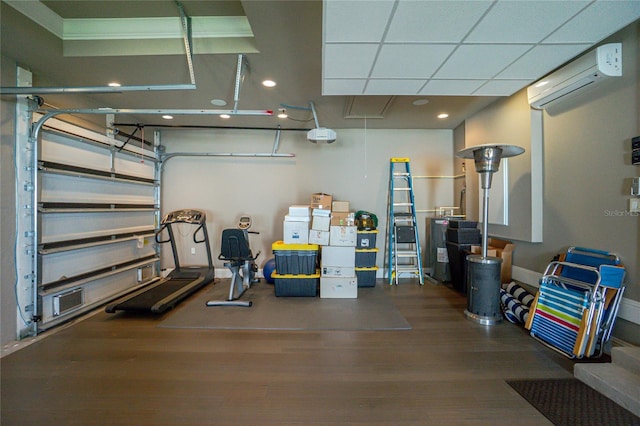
403 239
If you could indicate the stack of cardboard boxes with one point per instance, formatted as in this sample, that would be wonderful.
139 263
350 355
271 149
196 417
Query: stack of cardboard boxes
347 257
337 260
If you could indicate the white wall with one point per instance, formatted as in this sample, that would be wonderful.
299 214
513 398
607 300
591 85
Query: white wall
587 173
7 209
511 126
355 168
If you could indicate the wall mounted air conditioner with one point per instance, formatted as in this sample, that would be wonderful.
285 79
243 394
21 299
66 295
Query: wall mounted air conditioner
586 71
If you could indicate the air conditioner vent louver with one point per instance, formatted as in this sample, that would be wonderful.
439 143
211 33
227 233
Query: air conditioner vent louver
586 71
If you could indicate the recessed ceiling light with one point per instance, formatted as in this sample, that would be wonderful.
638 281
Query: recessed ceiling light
167 117
114 84
218 102
419 102
282 113
269 83
443 115
225 116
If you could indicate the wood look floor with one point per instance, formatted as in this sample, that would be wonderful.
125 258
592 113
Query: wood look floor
124 370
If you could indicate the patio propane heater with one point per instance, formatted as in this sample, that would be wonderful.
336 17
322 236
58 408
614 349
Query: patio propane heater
483 272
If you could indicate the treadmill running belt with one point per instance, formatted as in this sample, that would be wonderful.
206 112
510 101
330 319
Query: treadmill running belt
145 301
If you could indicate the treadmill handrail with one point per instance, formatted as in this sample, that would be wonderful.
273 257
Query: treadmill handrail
162 228
195 233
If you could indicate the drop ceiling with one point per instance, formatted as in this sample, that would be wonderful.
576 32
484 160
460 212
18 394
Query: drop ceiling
356 60
463 48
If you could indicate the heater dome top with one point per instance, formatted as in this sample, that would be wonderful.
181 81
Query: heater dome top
507 150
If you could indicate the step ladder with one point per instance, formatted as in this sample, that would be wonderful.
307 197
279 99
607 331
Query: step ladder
403 248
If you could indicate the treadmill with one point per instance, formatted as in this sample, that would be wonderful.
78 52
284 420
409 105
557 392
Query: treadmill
180 283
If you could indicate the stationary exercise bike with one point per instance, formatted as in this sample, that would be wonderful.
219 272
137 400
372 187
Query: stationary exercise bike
236 253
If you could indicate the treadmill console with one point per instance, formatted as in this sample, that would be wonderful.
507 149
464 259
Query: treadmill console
186 216
244 223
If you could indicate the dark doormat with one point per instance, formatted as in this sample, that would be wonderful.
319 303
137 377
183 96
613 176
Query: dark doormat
571 402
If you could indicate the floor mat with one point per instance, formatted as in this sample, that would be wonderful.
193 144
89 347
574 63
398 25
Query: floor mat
571 402
372 310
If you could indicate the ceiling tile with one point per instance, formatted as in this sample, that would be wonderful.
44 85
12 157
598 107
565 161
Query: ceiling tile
343 86
596 22
451 87
348 60
501 87
356 21
410 60
434 21
523 21
541 60
480 61
393 87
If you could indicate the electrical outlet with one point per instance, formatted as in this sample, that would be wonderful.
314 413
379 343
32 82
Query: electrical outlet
193 250
634 205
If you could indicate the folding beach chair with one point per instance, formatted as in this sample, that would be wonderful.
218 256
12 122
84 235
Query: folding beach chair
576 305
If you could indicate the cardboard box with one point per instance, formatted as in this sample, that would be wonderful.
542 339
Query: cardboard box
338 271
340 206
319 237
321 212
338 256
502 249
289 218
342 219
299 211
321 223
338 288
296 232
343 236
320 200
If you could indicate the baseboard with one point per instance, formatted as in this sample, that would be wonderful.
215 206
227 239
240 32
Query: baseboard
629 309
526 276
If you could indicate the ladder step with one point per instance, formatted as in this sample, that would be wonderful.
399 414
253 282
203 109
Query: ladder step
401 270
406 255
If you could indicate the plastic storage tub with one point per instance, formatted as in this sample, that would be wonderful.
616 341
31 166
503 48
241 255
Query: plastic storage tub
295 259
366 258
288 285
366 276
366 239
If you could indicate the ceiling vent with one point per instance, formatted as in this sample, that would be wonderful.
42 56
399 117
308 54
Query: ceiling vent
586 71
359 107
